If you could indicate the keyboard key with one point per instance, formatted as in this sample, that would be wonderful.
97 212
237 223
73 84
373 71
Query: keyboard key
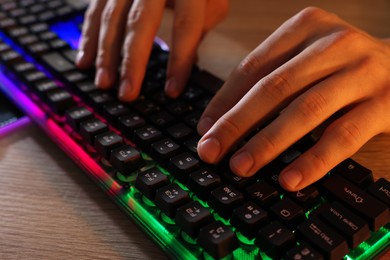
146 107
202 182
248 219
345 222
128 123
163 150
323 238
182 165
169 198
90 128
162 119
375 212
43 86
59 100
179 108
303 252
217 240
77 115
33 76
354 172
288 212
106 142
306 198
126 159
224 199
192 217
275 239
99 98
148 182
145 136
112 111
262 193
381 190
192 144
179 132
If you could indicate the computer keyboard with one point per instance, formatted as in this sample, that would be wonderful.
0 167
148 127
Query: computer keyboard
143 155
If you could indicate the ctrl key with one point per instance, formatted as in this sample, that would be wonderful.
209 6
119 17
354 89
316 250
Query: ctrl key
217 240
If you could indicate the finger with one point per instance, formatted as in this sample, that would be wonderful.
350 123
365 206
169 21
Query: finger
187 32
281 46
216 10
142 23
90 35
339 141
110 39
273 92
301 116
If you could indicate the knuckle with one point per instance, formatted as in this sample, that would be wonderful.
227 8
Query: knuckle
311 13
311 107
249 65
185 22
317 161
108 14
135 16
229 126
268 144
348 135
275 86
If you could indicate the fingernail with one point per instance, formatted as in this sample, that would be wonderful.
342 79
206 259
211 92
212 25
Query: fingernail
171 87
79 57
204 125
102 79
209 149
125 90
242 163
291 178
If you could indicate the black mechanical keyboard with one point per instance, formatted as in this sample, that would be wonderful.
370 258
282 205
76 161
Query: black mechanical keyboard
143 155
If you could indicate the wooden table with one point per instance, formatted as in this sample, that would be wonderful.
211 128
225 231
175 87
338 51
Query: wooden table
51 210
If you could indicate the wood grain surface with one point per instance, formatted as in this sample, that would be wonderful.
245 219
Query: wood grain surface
49 209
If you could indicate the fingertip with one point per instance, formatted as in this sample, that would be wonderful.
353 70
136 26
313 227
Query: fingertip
291 179
209 149
172 88
81 60
127 93
103 79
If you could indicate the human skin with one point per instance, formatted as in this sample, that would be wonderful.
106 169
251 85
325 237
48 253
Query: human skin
313 66
112 27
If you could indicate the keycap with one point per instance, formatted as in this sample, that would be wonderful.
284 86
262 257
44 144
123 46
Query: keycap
112 111
146 107
262 193
84 88
43 86
106 142
180 166
99 98
238 181
90 128
192 144
303 252
126 159
248 218
77 115
192 119
381 190
192 217
164 149
59 100
38 48
32 76
169 198
39 28
179 107
375 212
288 212
145 136
130 122
323 238
352 227
307 198
148 182
162 119
179 132
202 182
217 240
224 199
275 239
355 172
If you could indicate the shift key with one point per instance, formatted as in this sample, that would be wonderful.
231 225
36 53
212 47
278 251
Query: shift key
374 211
